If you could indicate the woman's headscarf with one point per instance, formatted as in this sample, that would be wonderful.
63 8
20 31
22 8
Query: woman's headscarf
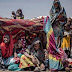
7 49
55 12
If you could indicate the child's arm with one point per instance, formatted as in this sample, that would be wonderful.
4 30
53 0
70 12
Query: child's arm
26 54
15 54
31 57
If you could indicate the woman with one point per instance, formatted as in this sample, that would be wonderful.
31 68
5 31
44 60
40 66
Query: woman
58 19
33 56
7 48
18 52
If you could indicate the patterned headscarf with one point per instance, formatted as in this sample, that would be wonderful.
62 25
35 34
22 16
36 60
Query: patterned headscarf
55 12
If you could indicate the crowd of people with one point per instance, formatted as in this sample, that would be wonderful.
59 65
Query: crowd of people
39 51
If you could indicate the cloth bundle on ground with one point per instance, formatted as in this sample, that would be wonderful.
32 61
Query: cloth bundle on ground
14 63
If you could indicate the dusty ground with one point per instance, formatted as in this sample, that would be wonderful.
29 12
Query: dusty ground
21 71
28 71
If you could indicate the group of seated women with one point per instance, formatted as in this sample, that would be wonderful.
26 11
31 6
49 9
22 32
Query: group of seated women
22 56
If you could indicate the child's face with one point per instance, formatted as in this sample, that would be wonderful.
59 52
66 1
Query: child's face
37 46
19 43
6 39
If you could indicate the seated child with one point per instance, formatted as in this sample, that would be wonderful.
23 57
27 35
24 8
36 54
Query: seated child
17 48
34 56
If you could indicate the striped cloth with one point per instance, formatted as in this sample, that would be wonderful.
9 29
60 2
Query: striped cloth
54 53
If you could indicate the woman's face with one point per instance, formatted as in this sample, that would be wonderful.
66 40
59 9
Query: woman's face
56 5
6 39
37 46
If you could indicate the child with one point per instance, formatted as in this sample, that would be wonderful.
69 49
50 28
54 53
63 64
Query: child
46 59
13 15
19 14
33 56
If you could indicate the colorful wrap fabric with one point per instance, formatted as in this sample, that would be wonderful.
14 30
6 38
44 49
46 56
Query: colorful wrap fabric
55 54
51 45
25 62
